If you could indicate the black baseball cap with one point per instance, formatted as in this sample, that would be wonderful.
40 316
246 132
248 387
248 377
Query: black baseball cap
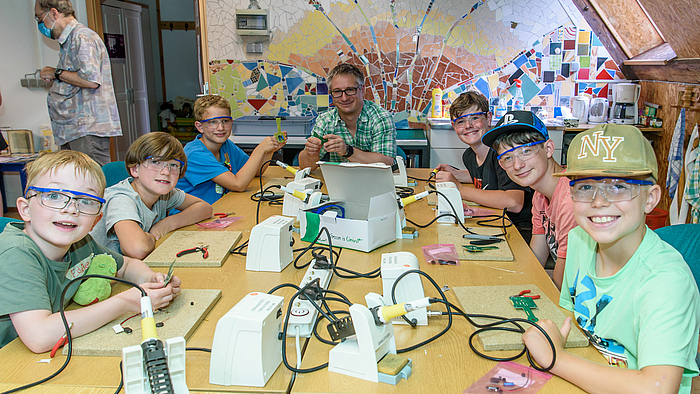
514 121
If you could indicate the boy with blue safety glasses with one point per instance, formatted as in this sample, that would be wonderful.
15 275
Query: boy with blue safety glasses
215 164
136 211
525 153
40 256
471 119
630 292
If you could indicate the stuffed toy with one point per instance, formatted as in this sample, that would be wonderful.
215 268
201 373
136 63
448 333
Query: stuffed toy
95 290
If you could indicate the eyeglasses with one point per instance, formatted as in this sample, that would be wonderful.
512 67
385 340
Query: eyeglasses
523 152
348 92
40 19
87 204
585 189
213 123
473 119
174 167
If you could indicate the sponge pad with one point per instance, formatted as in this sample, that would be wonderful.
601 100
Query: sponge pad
391 364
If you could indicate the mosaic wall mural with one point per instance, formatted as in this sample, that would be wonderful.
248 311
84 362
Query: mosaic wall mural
406 49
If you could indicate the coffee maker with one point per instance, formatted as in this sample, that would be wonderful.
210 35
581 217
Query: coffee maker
625 97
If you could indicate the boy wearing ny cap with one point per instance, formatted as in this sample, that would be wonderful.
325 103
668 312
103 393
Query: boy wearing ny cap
493 188
631 293
525 153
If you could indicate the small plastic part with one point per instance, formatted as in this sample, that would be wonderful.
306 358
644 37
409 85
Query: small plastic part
341 328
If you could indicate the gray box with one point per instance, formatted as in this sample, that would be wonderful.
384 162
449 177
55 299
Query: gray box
295 126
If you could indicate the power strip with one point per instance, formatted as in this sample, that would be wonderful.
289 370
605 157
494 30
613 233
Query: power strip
303 314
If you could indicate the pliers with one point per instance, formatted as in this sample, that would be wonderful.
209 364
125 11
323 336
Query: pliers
222 215
61 342
203 249
522 294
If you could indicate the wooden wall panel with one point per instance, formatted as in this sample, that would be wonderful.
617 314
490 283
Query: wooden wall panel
677 20
630 25
666 95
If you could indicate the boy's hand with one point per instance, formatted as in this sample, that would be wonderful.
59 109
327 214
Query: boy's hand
160 296
459 175
270 144
335 144
538 345
313 146
175 282
159 229
446 176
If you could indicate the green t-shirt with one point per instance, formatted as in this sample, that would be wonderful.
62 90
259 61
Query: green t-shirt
30 281
646 314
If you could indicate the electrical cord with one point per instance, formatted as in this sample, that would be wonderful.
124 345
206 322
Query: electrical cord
69 337
404 191
262 192
238 249
494 327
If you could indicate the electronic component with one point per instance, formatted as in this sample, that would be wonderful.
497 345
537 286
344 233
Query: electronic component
270 245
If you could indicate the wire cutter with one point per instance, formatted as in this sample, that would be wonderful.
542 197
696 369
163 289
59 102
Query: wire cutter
524 292
61 342
222 215
203 249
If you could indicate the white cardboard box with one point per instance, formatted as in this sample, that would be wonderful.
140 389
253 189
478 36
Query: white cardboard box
367 193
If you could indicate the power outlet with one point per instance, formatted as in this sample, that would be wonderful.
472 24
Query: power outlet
303 314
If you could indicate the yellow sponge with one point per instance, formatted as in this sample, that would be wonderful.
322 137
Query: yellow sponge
391 364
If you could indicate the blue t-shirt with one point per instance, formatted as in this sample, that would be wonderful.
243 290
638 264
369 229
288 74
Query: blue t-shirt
202 167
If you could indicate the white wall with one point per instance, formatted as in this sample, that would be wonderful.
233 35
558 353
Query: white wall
24 50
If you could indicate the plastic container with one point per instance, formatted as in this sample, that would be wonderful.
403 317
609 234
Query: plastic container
446 108
295 126
519 101
437 102
657 218
502 106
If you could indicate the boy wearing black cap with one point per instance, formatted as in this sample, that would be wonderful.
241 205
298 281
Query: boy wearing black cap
631 293
525 153
471 119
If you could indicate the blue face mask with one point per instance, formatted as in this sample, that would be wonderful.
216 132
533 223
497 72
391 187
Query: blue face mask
45 30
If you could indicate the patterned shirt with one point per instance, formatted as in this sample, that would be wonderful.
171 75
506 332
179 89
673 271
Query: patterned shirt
76 112
375 131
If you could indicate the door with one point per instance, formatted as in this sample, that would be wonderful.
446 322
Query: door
122 26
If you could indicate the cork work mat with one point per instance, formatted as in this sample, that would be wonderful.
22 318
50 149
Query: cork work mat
179 319
493 300
220 243
452 234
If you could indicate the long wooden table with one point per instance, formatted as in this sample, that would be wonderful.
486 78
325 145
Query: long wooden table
445 365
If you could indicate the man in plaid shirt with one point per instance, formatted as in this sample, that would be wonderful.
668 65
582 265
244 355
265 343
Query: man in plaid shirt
356 130
82 105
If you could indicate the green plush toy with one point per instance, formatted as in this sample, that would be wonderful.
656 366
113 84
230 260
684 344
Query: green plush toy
97 289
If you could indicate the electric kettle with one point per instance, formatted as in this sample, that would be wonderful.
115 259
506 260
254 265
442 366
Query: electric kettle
598 111
579 108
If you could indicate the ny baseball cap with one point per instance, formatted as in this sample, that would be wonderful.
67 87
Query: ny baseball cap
611 150
514 121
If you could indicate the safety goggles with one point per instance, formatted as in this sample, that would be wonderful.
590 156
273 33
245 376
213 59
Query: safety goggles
174 166
215 122
523 152
472 119
613 189
85 203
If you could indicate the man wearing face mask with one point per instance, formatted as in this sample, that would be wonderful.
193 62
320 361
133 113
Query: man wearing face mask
81 101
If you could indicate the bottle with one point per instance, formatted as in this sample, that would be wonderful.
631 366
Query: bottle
519 101
502 106
437 102
446 108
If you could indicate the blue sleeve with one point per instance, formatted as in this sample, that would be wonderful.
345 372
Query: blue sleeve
202 166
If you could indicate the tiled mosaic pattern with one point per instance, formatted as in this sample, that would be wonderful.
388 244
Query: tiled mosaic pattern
406 48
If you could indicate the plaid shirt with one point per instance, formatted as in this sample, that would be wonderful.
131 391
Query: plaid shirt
375 131
76 112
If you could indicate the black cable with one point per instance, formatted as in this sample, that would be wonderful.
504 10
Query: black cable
238 249
201 349
262 192
404 191
494 327
69 337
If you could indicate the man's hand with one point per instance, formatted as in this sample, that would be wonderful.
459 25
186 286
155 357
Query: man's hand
538 345
313 146
335 144
47 73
